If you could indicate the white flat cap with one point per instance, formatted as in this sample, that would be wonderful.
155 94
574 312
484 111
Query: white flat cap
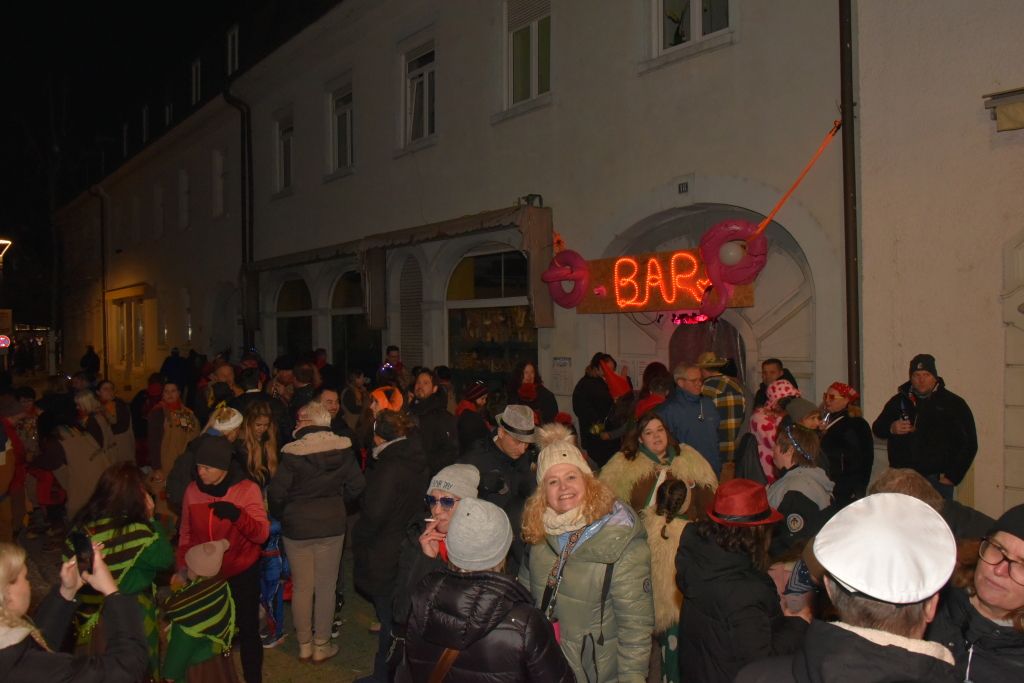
889 546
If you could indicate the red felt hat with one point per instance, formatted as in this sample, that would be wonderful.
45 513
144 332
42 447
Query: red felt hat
742 502
648 403
617 384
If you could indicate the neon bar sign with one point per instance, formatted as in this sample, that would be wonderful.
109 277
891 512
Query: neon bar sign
664 281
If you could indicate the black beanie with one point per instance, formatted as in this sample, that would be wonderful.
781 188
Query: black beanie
215 451
1012 522
923 361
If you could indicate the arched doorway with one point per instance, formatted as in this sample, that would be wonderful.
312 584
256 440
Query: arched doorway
781 324
355 347
294 319
689 341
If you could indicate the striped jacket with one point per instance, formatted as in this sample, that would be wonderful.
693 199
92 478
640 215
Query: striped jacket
728 398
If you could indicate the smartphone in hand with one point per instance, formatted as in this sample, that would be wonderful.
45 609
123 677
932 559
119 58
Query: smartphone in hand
83 551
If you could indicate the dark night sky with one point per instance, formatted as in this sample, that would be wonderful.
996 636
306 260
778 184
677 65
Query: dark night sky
74 72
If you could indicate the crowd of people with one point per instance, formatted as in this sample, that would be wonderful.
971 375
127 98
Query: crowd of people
683 530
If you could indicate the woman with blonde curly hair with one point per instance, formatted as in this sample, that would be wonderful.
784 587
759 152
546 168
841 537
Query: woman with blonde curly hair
27 650
590 566
257 443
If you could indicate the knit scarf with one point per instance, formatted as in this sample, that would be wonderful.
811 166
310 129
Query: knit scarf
204 609
171 407
121 548
670 455
556 524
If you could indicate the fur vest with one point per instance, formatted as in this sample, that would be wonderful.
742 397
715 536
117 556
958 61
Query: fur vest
632 480
667 598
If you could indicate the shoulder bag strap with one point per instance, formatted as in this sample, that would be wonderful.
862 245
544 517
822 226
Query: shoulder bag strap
443 665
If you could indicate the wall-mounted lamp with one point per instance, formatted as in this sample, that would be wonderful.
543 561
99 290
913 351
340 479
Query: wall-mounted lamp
1007 108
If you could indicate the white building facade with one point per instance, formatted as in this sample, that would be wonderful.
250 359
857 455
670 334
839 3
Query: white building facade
640 124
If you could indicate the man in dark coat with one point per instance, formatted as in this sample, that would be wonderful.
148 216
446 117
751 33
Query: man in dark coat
592 402
174 367
438 431
894 553
506 478
304 388
974 628
90 361
771 370
929 428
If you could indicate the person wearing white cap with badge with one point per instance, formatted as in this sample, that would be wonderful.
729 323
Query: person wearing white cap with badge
470 621
505 475
981 617
887 557
589 565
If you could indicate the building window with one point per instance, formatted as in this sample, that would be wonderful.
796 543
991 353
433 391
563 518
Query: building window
158 210
145 123
285 130
419 92
182 199
681 24
220 182
294 319
131 346
490 325
342 109
161 329
529 49
233 50
196 81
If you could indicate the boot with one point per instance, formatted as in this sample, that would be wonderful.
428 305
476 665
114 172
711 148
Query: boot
324 651
305 651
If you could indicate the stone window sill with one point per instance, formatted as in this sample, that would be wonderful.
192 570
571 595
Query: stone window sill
340 173
286 192
723 38
412 147
522 108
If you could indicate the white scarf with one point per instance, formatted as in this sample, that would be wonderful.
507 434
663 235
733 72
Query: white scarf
557 524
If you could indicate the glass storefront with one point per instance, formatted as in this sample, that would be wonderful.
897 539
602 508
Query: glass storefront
295 319
355 347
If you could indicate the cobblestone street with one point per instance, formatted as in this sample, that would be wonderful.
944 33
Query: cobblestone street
281 664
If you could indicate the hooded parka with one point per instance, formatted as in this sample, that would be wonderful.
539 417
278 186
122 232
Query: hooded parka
605 640
491 620
316 477
731 614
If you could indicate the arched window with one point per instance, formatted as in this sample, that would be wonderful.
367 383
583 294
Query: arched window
490 324
354 346
411 310
294 318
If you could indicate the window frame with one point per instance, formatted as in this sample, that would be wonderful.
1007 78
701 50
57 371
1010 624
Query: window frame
534 70
428 73
347 109
696 26
232 46
285 126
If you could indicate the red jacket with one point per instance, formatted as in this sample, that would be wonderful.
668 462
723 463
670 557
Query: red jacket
199 524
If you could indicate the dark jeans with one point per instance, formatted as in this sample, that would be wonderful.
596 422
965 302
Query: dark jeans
245 589
382 603
947 490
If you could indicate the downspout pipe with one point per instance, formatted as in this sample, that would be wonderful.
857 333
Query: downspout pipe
246 199
850 231
101 194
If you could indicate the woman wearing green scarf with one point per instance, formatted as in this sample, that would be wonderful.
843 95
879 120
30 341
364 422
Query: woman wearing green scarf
119 514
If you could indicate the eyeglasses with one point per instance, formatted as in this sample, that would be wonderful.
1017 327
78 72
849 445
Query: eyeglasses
995 556
447 502
698 380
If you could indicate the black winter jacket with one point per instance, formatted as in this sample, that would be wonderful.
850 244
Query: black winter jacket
944 440
125 659
472 428
966 522
437 432
731 614
850 452
998 650
545 405
592 402
507 483
491 620
317 475
832 654
413 565
394 493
